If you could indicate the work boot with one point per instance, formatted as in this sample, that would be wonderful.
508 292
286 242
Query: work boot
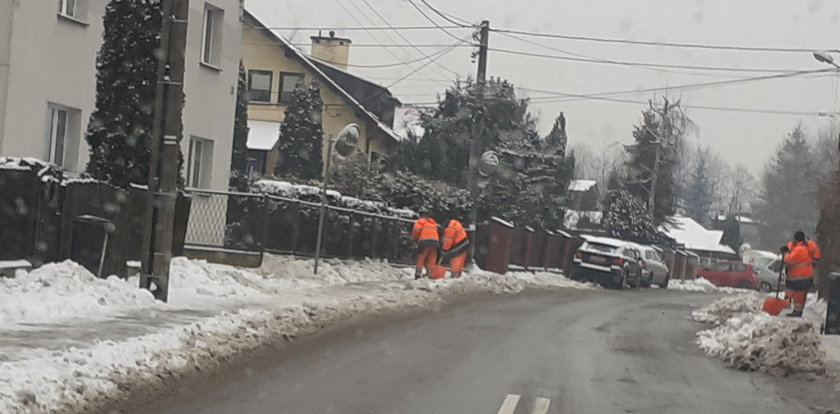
795 314
417 274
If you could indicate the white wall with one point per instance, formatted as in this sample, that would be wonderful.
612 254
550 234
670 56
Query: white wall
6 9
53 60
211 92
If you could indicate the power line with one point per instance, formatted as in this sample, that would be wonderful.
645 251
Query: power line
352 28
373 45
406 39
443 29
667 44
448 17
640 64
388 65
684 86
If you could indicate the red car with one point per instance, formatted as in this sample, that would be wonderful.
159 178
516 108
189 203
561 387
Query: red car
730 274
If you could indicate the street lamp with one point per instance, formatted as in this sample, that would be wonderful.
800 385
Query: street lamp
344 144
826 58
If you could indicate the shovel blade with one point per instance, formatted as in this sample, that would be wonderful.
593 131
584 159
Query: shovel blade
774 306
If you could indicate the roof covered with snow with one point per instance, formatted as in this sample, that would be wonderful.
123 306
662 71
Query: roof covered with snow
688 232
572 218
262 135
741 219
582 185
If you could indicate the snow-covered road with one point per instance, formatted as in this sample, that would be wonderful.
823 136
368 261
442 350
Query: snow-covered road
71 341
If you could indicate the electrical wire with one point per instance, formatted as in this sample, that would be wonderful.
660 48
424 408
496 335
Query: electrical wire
352 28
406 39
640 64
666 44
387 65
448 17
433 20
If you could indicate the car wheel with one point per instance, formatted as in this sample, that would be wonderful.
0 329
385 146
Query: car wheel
664 284
765 287
647 283
623 281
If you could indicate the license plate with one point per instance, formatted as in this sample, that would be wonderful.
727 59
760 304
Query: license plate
597 259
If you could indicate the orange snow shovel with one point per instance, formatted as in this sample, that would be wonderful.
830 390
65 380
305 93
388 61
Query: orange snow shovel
775 306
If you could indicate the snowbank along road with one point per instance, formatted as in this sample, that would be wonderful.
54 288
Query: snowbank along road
563 352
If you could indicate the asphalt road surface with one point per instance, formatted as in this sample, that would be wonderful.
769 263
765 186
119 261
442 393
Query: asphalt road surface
564 353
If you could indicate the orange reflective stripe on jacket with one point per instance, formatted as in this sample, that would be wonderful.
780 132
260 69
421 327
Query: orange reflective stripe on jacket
813 249
799 261
453 235
425 228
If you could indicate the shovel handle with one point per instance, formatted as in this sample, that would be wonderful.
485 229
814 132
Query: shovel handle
779 282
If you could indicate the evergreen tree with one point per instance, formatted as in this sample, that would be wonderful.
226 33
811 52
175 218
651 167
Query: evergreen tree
661 130
787 202
301 136
698 194
557 138
120 128
628 219
732 233
239 156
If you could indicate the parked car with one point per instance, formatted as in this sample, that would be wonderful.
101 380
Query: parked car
609 262
730 274
767 265
654 269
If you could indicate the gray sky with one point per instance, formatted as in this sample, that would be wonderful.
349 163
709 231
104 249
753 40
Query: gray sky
747 138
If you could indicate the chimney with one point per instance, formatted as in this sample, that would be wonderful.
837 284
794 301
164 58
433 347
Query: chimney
332 50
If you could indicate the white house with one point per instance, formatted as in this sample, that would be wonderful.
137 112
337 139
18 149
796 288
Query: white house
48 82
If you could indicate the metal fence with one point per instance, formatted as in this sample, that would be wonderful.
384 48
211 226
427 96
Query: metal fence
265 223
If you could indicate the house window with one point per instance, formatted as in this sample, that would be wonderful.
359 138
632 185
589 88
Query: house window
74 9
259 85
211 41
288 81
63 126
57 134
199 163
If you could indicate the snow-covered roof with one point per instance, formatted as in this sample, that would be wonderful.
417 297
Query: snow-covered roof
581 185
262 135
688 232
328 80
572 217
741 219
407 119
502 222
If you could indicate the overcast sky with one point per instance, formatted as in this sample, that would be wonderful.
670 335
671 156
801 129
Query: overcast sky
742 137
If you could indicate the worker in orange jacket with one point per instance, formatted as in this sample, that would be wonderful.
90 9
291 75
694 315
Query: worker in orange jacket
801 255
425 231
455 244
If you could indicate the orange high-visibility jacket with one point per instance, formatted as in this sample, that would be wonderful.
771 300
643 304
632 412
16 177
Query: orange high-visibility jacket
813 250
799 261
425 230
453 235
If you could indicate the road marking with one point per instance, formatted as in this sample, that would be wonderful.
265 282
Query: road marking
509 405
541 406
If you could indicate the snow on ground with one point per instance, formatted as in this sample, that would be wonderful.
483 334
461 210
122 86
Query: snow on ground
701 285
69 341
748 339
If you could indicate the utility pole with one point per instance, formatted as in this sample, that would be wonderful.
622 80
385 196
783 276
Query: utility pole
660 140
165 147
476 147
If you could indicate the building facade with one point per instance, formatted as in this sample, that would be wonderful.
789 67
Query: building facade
48 55
274 67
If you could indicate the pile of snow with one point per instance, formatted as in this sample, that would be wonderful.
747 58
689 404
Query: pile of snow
63 291
748 339
282 301
761 342
702 285
721 310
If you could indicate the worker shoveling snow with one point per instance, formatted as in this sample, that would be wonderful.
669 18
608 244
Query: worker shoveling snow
747 339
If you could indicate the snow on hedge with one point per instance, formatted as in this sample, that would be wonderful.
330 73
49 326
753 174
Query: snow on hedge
215 312
748 339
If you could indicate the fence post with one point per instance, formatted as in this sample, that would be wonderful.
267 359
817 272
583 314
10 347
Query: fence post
375 238
350 237
263 223
296 227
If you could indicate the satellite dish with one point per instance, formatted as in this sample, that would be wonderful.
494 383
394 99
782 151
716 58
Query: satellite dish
347 140
488 164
